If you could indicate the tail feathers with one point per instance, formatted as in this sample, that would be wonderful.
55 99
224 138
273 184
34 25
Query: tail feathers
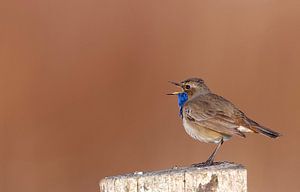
266 131
263 130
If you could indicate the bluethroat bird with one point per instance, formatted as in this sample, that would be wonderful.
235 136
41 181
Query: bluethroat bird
210 118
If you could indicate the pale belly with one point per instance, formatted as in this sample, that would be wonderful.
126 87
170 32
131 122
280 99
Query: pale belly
203 134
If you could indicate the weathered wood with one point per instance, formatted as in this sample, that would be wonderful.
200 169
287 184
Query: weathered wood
217 178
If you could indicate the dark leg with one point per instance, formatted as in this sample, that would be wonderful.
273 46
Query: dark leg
211 158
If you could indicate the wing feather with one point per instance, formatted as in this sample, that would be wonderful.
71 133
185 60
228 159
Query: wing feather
209 115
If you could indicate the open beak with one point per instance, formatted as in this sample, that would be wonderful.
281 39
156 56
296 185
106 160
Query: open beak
177 84
174 93
174 83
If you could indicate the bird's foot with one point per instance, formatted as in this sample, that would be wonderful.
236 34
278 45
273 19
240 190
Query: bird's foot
209 162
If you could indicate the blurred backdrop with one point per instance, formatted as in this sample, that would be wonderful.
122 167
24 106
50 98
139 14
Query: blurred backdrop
83 88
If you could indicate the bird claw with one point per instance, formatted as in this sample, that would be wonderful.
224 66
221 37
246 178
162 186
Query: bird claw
203 164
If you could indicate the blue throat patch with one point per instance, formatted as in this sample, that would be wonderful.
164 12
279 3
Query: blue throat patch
182 98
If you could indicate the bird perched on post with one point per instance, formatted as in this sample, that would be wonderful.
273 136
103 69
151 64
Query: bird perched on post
210 118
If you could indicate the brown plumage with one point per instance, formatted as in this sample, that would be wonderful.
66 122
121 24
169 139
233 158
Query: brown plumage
211 118
220 115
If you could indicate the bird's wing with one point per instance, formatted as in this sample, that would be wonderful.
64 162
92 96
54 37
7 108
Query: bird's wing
208 114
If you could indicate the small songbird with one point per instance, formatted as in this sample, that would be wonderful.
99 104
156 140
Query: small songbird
210 118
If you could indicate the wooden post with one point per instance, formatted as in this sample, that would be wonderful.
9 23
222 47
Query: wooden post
223 177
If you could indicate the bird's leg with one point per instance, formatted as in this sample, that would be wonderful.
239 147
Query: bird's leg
211 158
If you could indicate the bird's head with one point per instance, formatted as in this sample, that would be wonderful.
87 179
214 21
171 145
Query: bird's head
191 86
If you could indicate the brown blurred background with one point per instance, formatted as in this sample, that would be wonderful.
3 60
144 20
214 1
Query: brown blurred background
83 88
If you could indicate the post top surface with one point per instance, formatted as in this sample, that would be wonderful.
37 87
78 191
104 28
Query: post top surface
218 166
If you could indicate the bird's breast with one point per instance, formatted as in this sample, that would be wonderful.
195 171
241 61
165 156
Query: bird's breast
201 133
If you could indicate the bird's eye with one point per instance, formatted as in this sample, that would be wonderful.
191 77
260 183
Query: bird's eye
187 86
